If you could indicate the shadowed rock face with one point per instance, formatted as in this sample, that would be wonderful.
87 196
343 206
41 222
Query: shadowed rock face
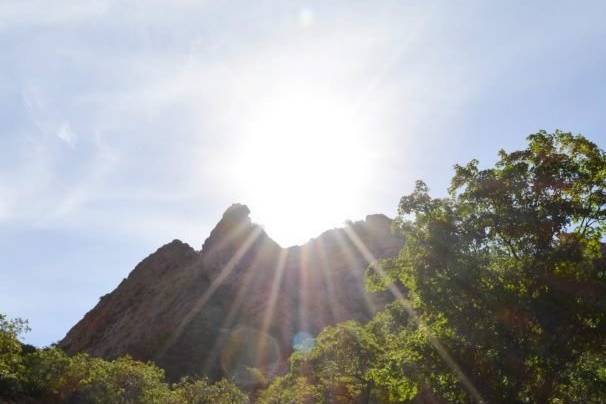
239 301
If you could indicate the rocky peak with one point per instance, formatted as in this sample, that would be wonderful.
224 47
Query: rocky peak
378 221
237 215
231 231
187 310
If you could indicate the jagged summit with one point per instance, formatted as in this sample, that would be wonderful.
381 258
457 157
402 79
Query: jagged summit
236 212
229 231
235 219
188 310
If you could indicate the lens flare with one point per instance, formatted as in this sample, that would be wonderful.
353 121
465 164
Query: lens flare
303 341
247 351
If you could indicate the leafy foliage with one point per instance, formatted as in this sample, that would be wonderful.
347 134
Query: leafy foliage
334 370
50 376
11 363
202 392
511 263
386 360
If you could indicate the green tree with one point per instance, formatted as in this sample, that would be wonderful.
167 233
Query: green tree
50 376
291 389
11 361
200 391
512 265
55 377
334 370
408 367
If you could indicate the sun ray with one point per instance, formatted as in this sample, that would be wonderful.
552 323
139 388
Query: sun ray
345 247
441 349
201 302
303 288
273 296
327 277
233 308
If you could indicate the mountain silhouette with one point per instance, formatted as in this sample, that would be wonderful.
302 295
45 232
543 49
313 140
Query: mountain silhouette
240 302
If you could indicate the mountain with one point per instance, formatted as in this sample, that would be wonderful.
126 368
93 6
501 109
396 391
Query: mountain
240 302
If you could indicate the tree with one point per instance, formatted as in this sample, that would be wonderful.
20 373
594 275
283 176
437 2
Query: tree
11 364
408 368
512 264
53 376
200 391
334 370
50 376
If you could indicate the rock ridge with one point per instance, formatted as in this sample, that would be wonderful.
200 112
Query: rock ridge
239 301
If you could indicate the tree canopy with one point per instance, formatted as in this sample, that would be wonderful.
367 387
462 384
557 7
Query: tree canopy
512 263
50 376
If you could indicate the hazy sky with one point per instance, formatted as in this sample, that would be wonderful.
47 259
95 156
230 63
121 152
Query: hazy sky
126 124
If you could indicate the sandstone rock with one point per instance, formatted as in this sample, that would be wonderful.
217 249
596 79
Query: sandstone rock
238 302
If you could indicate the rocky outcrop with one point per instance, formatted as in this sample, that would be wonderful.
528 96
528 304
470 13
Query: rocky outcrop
239 302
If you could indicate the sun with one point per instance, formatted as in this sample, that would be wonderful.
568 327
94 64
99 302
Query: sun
303 163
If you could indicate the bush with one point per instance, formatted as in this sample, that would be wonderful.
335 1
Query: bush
50 376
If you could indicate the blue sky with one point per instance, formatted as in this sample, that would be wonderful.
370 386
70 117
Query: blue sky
125 125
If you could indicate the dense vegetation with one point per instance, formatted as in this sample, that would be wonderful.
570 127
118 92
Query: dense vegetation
28 375
500 297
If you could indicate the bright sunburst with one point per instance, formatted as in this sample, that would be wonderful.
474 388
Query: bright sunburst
303 163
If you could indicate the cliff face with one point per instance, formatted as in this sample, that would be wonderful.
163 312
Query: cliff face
242 301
